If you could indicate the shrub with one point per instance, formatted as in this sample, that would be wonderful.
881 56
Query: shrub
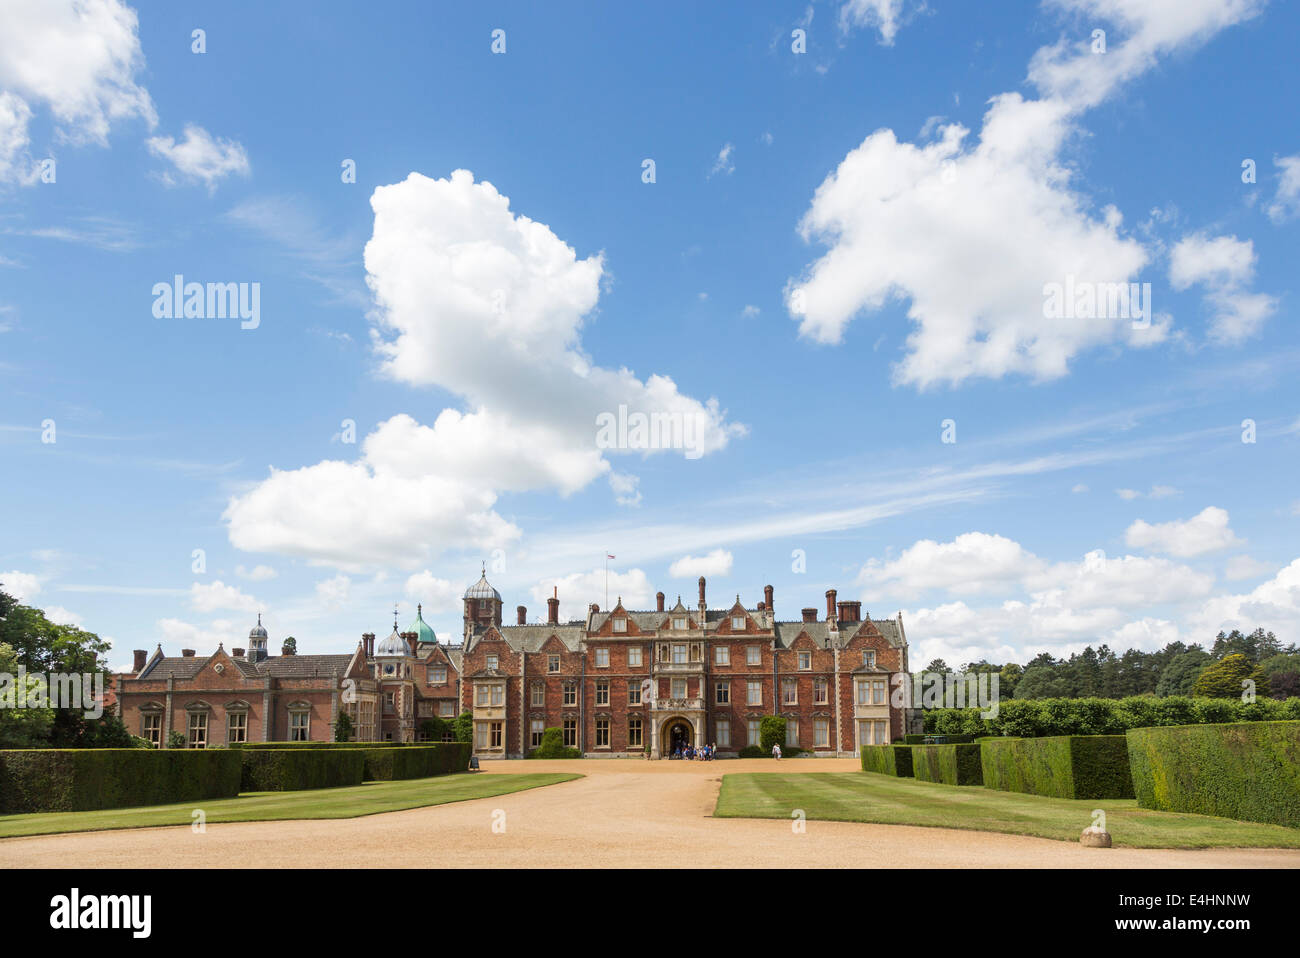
753 751
888 760
553 746
294 769
79 780
771 731
1223 679
421 761
948 764
463 726
1059 766
343 727
1243 770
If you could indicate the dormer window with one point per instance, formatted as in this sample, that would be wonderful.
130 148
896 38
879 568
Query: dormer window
679 623
620 625
737 622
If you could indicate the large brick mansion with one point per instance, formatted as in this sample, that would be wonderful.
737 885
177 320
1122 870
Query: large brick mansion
615 682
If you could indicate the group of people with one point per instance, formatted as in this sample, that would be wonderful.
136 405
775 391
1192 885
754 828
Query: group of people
704 753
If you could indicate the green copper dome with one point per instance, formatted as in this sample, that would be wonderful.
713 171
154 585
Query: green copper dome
421 628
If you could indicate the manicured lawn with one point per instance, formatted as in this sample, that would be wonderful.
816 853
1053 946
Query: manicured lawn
869 797
368 799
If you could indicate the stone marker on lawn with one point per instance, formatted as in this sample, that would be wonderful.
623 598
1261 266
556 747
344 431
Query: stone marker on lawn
1094 837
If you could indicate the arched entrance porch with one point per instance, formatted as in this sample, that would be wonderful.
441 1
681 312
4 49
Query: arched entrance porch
674 733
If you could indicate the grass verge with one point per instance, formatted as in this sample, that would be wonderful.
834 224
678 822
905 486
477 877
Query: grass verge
352 802
882 799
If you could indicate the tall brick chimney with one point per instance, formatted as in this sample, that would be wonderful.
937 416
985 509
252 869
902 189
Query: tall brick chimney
810 615
141 660
187 653
768 593
659 601
830 603
368 639
287 649
553 607
702 592
849 610
521 614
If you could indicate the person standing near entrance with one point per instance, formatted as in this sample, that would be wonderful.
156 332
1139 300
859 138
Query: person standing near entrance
776 751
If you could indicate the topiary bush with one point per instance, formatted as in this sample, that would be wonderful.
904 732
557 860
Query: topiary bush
553 746
893 760
1244 770
1059 766
80 780
947 764
294 769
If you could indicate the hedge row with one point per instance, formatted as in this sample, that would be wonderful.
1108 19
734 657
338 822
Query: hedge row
952 739
299 745
947 764
291 770
1247 771
1060 766
81 780
893 760
1036 718
425 761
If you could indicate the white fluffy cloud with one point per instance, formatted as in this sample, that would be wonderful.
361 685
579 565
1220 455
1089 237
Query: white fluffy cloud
217 595
77 58
723 163
1274 605
333 593
1286 201
717 562
971 563
23 586
489 305
199 156
436 594
882 15
1225 267
970 236
1207 531
579 590
178 634
258 573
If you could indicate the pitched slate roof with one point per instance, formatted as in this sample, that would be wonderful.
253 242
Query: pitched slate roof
531 638
303 666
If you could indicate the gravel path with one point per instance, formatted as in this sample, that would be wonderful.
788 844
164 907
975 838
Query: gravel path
624 813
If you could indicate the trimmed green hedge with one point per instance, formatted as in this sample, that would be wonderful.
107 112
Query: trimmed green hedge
553 746
425 761
1036 718
947 764
299 745
952 739
82 780
291 769
1060 766
888 760
1244 770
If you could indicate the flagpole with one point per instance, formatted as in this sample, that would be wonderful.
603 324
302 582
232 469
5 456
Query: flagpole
607 581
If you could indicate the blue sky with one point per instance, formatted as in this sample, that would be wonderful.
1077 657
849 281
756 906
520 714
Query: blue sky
844 247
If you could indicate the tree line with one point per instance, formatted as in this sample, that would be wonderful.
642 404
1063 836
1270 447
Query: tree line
1177 669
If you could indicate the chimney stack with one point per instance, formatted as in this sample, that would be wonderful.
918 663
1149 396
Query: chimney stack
849 611
412 641
368 640
768 593
810 615
553 607
141 659
830 603
702 592
287 650
188 653
237 653
659 601
521 614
